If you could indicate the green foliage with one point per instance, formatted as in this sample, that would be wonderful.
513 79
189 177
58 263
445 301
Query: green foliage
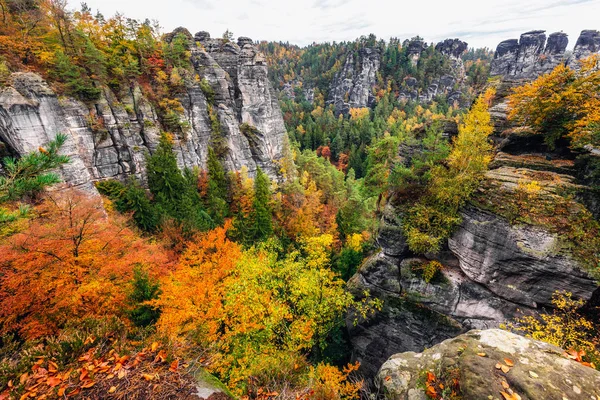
75 79
432 218
134 199
261 225
28 176
208 91
144 289
175 194
347 262
177 52
4 72
216 196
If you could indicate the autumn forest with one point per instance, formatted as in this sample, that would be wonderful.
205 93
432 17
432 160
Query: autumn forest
171 229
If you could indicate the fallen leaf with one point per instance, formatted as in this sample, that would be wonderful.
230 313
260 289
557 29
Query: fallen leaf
505 385
83 374
510 396
509 362
74 392
148 377
154 346
121 374
52 367
387 378
161 356
112 389
533 374
54 381
110 376
124 359
88 384
498 366
431 392
430 377
61 390
174 366
481 354
23 378
504 369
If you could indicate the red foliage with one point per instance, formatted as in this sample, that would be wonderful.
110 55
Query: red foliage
71 262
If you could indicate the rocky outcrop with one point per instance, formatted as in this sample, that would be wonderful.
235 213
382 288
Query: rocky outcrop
530 56
491 270
467 366
109 138
450 84
352 86
534 55
587 44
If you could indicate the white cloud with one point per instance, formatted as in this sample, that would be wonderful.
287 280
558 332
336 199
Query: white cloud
480 23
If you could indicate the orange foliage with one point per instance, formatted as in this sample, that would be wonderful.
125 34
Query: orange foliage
209 259
303 214
71 262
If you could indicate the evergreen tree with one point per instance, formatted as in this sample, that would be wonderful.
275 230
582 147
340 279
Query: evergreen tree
144 290
261 225
175 194
216 197
164 178
29 175
134 199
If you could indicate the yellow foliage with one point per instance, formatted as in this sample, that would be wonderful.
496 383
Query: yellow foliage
318 250
329 383
563 102
356 114
355 241
564 327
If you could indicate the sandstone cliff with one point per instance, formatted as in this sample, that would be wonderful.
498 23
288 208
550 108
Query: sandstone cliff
352 86
449 83
535 54
109 139
497 265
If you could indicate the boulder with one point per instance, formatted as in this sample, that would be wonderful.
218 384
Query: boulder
467 365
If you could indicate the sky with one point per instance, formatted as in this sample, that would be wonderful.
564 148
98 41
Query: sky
482 23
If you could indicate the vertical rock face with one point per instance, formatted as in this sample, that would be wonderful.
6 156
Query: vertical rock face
587 44
530 56
533 55
449 84
352 86
453 48
109 139
492 272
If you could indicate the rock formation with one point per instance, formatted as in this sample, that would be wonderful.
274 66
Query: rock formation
450 84
538 370
109 139
587 44
352 86
530 56
493 270
533 55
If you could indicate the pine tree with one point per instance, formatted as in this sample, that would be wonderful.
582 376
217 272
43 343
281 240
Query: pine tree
29 175
175 193
135 199
261 225
216 197
144 289
164 178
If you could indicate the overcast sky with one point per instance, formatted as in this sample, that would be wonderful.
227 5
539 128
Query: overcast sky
480 23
